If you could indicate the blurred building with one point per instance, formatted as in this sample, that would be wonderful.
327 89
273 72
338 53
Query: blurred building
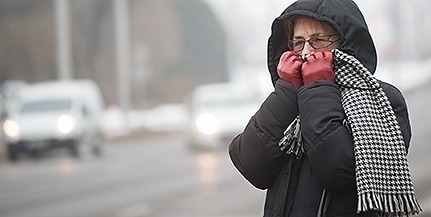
174 46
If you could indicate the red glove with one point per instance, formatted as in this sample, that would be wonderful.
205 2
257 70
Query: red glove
318 66
289 68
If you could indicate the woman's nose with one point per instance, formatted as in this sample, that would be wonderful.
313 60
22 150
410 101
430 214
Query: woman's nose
307 49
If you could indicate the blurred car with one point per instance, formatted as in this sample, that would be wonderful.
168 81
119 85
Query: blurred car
55 114
218 112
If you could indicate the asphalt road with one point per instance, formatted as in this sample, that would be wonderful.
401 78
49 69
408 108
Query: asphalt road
157 176
154 176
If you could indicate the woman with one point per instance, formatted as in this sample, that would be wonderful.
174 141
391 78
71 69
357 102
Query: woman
330 140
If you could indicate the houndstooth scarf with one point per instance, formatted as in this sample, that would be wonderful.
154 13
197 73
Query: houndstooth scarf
383 177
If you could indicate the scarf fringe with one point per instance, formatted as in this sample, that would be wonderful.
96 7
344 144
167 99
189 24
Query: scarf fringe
389 205
291 143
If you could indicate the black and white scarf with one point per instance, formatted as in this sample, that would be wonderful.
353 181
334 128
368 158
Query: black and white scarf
383 176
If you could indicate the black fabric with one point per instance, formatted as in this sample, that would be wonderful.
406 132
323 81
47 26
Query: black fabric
329 162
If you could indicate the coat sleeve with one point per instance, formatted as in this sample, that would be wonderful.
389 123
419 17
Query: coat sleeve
399 106
255 152
327 142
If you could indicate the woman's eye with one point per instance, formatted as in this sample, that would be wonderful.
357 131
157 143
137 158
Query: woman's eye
298 43
320 40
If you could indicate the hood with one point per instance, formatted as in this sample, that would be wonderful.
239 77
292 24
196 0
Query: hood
344 16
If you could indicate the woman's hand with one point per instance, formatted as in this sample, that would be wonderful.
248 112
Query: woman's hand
289 68
318 66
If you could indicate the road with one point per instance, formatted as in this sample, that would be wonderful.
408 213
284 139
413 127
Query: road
157 176
139 177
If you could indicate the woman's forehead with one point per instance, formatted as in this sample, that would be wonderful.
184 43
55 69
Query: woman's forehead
311 26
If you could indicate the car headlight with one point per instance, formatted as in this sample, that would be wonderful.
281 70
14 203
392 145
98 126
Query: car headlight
207 124
66 124
11 129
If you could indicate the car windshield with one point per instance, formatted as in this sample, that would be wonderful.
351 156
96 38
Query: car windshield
46 105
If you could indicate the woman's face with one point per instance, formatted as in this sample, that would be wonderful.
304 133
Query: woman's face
307 28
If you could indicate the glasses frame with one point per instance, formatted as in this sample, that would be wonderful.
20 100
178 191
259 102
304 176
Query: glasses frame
311 39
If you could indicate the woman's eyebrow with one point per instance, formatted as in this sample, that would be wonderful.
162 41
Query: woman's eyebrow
298 37
311 36
317 34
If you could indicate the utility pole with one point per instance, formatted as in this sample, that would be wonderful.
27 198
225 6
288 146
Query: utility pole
121 13
64 58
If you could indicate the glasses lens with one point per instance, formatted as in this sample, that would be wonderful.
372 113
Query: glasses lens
320 42
296 45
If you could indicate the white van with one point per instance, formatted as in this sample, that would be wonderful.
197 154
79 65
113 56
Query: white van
55 114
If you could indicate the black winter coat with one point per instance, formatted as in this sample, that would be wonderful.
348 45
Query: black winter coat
295 187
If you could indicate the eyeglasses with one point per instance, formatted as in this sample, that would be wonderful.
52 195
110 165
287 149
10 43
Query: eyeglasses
317 42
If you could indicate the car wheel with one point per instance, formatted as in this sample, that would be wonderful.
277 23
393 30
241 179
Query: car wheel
35 154
13 152
85 150
74 148
97 150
